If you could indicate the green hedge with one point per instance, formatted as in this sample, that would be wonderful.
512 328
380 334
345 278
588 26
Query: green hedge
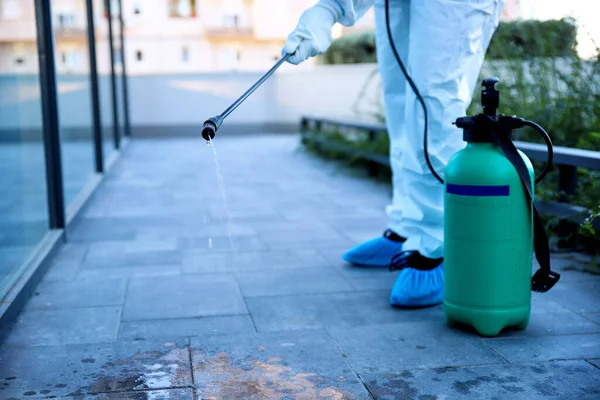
517 39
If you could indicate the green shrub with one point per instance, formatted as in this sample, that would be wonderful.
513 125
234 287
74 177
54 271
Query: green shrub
563 96
553 38
533 38
354 48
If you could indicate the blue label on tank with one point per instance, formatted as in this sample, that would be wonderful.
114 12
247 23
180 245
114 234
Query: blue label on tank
476 190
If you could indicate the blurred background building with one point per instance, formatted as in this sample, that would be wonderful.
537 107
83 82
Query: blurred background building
165 36
189 36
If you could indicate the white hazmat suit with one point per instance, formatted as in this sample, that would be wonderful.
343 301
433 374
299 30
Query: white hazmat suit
442 44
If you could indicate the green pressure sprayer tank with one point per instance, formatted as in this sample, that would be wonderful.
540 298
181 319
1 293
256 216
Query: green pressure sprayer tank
491 225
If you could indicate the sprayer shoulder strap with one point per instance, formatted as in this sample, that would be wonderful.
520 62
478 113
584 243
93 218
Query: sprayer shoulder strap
544 279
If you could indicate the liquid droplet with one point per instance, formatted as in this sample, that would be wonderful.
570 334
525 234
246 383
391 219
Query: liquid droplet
208 143
210 243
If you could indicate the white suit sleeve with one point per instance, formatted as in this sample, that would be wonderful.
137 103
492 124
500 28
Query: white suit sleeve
352 10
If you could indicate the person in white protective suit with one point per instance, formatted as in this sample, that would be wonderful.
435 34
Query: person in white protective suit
442 43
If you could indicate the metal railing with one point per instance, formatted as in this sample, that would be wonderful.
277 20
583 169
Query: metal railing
566 159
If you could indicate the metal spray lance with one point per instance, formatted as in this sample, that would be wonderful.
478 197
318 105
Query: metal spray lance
211 125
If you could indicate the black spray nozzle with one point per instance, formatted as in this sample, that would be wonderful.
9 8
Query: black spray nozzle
210 127
490 96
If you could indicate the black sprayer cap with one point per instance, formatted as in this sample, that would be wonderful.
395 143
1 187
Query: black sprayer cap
474 131
490 96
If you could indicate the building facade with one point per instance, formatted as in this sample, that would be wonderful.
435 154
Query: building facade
164 36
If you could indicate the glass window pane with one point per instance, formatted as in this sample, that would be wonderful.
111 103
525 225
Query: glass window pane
74 99
119 73
23 201
104 77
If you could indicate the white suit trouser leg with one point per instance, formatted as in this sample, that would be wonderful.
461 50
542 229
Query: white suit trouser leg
442 43
394 86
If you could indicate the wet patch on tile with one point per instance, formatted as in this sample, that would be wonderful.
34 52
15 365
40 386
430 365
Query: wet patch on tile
299 365
81 370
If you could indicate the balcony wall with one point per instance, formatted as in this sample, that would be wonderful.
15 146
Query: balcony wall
183 100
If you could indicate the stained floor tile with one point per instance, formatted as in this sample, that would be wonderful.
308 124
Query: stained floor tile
298 365
99 368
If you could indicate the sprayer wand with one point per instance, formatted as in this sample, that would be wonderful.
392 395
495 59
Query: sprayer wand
211 125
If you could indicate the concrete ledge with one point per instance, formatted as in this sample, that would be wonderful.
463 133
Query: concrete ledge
232 129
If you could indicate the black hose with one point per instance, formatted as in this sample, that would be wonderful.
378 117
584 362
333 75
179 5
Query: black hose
548 141
414 88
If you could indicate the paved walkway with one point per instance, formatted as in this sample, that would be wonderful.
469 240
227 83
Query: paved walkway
147 300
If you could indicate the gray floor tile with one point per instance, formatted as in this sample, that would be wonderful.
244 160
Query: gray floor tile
299 365
595 317
65 326
341 310
67 262
62 272
145 271
101 229
292 242
186 327
81 293
201 262
222 244
550 318
547 347
578 296
299 230
173 394
183 297
132 254
209 228
82 370
553 380
291 281
71 253
411 345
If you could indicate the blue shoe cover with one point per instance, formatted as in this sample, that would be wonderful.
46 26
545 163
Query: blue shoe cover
418 286
376 252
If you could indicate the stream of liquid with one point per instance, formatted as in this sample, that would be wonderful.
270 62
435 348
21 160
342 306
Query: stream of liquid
223 196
